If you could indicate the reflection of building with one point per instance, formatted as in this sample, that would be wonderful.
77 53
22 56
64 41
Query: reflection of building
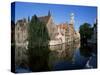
63 53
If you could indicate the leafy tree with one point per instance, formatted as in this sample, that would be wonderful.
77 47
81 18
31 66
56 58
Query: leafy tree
85 31
38 34
37 53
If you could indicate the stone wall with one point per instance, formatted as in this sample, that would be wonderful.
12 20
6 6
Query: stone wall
21 32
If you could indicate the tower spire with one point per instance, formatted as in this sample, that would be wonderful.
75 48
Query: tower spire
28 19
49 13
72 18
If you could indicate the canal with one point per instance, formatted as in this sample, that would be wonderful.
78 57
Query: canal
53 58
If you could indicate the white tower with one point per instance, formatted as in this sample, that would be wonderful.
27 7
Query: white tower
72 18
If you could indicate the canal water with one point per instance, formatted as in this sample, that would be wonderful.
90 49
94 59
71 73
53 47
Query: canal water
53 58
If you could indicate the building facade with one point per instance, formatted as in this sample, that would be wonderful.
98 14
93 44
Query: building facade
67 32
64 32
21 33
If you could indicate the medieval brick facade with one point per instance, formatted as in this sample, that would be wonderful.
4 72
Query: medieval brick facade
66 30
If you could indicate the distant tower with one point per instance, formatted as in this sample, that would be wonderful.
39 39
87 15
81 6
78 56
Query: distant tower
49 14
28 19
72 18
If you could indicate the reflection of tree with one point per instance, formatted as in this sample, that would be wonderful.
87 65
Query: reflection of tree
38 58
85 51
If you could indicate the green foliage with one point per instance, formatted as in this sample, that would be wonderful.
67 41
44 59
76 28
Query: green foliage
38 58
86 31
38 34
37 37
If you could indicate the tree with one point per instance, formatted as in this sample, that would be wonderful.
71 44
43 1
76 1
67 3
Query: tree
85 32
38 34
37 53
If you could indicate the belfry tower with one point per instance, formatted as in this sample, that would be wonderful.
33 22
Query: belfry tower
72 18
71 27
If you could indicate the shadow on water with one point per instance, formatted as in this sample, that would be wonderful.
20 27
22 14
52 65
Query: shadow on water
32 60
89 51
72 56
38 58
85 51
35 58
60 57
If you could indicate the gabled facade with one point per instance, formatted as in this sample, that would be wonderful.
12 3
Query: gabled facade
51 27
64 32
21 33
67 32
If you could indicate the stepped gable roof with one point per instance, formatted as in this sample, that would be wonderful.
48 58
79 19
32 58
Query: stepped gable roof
44 19
62 26
21 22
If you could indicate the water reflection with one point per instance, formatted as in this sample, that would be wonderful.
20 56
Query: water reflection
60 57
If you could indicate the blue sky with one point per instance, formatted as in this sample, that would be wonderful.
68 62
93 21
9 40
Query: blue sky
60 13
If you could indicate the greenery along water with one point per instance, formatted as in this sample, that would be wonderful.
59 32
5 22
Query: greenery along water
59 57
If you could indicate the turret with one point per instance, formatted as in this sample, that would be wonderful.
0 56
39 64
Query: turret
28 19
72 18
49 14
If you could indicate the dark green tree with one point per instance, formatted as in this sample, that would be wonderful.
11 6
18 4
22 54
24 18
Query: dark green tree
85 32
38 34
37 52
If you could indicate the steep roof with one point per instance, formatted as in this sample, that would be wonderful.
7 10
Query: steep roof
44 19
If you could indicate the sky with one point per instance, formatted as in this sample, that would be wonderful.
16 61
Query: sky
60 13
